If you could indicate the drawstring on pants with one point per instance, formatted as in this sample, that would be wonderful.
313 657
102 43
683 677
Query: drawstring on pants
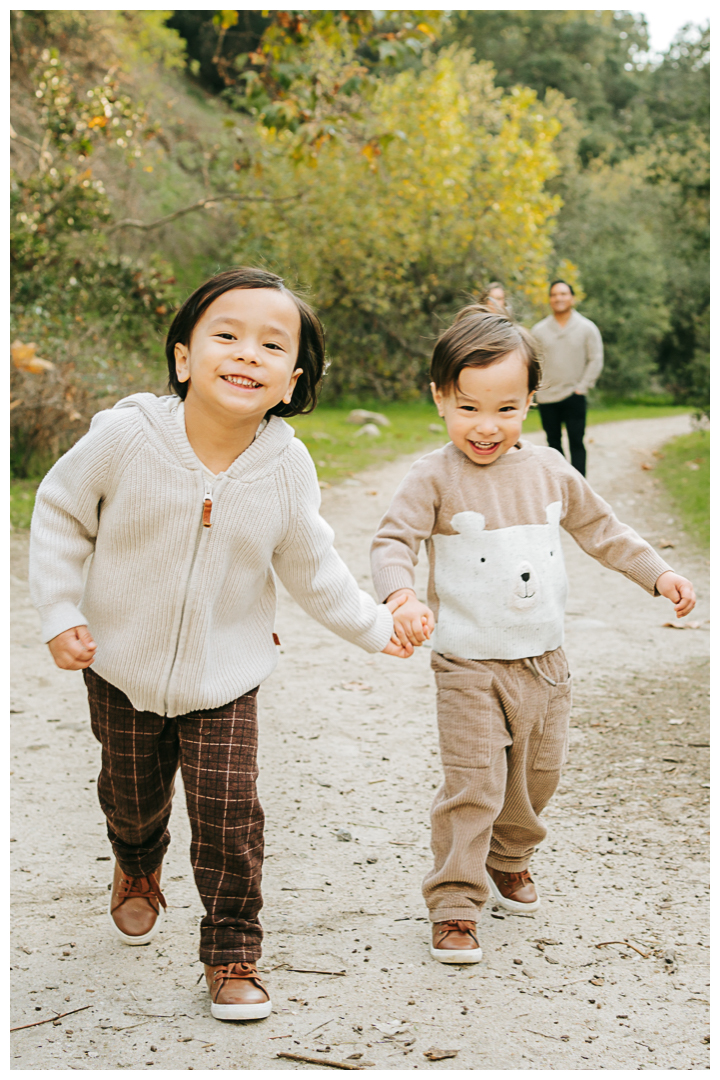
530 661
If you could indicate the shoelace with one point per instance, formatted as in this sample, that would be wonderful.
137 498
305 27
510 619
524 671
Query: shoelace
238 970
144 887
521 878
457 924
230 971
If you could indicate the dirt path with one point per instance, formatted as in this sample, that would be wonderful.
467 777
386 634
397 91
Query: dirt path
349 747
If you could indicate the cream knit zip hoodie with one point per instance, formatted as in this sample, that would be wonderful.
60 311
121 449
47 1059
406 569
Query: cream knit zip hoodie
182 614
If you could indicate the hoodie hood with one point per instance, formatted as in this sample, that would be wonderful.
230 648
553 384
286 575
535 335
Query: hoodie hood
158 417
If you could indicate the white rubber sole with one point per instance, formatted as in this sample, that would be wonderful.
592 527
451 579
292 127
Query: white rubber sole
456 956
509 905
133 939
241 1012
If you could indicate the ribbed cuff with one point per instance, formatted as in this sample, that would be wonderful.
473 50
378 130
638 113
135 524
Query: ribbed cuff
376 639
467 912
56 618
646 569
391 579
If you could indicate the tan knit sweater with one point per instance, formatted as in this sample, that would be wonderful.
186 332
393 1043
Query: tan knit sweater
497 582
183 614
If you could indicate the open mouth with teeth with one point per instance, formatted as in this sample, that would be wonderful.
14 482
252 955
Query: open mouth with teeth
484 447
241 380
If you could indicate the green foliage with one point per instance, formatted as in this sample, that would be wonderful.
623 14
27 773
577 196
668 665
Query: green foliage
447 191
590 56
304 72
684 468
95 315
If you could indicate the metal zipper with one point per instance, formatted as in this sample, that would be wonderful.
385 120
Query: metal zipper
205 524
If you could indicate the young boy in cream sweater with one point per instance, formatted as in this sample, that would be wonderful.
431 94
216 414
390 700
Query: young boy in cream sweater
489 508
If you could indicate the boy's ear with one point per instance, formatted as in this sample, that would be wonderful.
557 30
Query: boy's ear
528 404
437 398
291 388
181 365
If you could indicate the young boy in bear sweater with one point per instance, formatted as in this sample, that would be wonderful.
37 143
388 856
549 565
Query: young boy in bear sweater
489 508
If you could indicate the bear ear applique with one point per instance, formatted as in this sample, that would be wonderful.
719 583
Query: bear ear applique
553 512
468 523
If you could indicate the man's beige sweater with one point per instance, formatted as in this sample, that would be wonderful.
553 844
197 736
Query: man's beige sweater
183 614
572 357
497 582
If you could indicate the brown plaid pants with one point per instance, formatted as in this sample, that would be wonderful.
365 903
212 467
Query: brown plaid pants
216 750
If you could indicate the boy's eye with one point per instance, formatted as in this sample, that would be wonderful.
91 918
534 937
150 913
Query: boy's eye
226 336
508 408
273 345
468 408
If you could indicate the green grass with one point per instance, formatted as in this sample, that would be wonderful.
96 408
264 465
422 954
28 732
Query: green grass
684 468
22 500
339 451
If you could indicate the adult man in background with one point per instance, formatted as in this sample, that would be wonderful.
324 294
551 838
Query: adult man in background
573 360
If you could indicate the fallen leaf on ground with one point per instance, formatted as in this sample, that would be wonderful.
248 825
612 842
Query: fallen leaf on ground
598 981
24 358
675 624
356 686
433 1054
646 466
666 544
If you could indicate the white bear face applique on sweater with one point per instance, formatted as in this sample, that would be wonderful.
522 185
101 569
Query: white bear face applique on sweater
501 592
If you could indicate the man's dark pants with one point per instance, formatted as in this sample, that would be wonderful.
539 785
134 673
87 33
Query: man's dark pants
216 750
571 412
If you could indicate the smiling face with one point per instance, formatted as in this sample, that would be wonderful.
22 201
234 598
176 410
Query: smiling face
241 358
484 412
561 298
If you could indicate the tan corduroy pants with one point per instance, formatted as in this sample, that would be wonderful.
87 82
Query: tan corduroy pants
503 740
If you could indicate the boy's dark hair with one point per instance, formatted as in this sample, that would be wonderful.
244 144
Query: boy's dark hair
560 281
311 353
480 337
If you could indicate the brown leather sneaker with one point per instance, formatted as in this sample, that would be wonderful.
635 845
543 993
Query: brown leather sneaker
134 907
455 942
237 992
513 891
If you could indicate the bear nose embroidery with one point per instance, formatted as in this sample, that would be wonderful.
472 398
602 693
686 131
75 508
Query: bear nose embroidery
525 577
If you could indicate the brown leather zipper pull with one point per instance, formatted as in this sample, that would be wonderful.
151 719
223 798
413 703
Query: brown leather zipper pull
207 511
276 639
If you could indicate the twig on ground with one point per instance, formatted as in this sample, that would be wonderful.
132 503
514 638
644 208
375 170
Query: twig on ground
58 1016
627 944
315 971
557 1038
324 1024
288 1036
317 1060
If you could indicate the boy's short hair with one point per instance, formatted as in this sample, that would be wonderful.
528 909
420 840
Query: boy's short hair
480 337
560 281
311 352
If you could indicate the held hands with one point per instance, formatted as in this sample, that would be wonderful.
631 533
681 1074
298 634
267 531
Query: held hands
413 622
73 649
679 590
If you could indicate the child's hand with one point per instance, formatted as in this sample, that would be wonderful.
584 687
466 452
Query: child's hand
73 649
679 590
413 620
394 648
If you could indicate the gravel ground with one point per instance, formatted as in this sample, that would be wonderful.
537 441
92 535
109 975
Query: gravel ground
610 973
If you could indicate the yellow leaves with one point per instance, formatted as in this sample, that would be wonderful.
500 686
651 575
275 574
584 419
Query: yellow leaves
97 121
225 19
24 358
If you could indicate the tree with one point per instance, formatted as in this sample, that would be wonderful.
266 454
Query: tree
392 236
